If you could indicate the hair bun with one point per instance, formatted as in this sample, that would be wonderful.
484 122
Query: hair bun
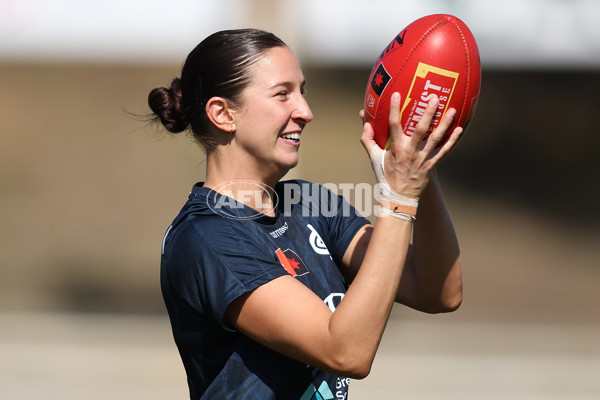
167 107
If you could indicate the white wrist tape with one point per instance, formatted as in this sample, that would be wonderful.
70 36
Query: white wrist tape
392 203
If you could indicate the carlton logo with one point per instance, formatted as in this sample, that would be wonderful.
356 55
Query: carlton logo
316 241
242 199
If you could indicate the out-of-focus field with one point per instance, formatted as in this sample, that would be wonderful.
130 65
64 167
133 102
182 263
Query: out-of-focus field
87 191
69 357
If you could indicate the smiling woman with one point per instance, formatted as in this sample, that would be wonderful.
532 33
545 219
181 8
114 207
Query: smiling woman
220 65
263 147
270 297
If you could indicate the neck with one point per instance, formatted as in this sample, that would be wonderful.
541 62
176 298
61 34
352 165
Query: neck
246 184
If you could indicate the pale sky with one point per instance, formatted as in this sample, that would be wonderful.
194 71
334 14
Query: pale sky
521 33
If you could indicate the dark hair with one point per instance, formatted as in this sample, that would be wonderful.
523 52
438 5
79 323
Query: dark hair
219 66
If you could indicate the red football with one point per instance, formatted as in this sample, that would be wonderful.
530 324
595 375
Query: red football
434 55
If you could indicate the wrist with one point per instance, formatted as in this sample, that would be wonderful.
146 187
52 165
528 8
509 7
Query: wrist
391 202
395 204
387 208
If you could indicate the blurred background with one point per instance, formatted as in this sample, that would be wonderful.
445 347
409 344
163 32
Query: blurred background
87 191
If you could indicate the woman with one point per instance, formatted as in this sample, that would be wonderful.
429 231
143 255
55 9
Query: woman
268 300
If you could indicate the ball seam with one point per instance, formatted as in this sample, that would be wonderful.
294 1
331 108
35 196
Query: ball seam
441 21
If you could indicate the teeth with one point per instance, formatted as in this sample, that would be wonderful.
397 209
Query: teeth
292 136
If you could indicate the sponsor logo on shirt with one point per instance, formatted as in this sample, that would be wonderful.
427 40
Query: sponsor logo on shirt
342 385
279 231
322 393
291 262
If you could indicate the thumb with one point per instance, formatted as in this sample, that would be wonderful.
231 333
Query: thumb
368 138
376 153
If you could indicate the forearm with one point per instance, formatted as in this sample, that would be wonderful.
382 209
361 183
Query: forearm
435 255
360 319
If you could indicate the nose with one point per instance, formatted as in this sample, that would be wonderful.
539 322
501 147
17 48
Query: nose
302 112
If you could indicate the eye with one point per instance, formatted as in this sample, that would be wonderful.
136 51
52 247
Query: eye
303 88
283 93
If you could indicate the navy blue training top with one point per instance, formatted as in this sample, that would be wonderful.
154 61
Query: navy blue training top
216 250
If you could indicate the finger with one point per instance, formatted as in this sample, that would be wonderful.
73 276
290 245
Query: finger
394 125
449 145
367 138
361 114
424 123
439 132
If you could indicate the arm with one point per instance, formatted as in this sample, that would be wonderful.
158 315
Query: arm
345 342
303 328
432 276
434 268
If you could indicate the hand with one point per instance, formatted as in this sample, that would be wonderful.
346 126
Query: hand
410 159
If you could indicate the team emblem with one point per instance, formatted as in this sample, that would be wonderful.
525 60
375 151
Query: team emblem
291 262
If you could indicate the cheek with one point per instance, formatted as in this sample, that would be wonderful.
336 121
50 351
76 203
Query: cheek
256 137
263 124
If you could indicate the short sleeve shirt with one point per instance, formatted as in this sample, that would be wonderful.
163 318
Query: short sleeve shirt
217 250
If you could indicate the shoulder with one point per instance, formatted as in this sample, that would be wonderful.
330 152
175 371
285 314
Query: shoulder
213 249
212 232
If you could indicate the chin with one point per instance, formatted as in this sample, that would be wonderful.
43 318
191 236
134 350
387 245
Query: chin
291 161
288 165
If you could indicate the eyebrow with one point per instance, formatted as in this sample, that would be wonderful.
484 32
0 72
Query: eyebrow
288 84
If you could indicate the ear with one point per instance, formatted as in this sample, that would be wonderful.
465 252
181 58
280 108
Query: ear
221 114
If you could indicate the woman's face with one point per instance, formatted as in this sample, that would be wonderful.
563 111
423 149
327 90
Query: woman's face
273 113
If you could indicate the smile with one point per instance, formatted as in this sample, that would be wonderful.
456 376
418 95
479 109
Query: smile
293 137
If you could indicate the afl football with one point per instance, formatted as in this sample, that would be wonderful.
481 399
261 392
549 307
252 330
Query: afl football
434 56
